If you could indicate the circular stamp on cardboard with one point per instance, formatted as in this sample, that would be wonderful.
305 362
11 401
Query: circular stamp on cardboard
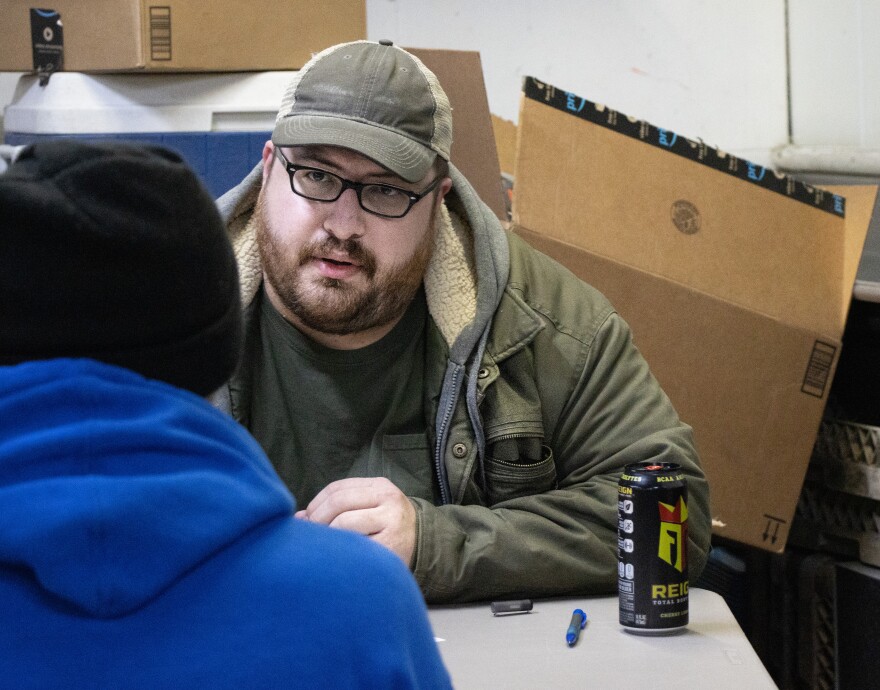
686 216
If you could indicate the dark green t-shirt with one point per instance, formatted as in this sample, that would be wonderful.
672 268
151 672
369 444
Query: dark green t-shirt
323 414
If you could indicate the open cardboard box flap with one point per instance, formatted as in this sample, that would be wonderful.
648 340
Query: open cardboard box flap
736 282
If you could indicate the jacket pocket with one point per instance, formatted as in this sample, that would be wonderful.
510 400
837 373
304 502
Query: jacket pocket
518 466
408 462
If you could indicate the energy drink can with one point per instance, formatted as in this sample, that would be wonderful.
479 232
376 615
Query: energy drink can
652 574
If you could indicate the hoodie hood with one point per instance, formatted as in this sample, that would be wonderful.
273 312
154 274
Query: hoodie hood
113 486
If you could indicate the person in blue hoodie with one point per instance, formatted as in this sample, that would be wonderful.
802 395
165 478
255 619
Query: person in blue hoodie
145 540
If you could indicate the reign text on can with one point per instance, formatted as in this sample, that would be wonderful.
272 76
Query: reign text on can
652 574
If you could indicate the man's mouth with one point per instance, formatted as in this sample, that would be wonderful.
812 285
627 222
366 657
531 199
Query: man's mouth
336 268
337 262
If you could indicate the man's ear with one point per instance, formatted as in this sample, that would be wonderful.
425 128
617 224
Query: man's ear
268 158
444 187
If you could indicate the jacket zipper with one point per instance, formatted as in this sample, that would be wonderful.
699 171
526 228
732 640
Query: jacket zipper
509 437
438 456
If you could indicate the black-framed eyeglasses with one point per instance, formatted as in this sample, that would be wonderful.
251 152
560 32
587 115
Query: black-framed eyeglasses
383 200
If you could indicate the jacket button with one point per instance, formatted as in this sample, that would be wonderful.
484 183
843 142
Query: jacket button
459 450
482 373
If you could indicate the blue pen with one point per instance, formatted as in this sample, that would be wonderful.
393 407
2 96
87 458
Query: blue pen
578 621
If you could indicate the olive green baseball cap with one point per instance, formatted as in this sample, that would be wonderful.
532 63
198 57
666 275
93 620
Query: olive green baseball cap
374 98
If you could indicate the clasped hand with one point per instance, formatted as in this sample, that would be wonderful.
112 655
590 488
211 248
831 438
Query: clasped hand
372 506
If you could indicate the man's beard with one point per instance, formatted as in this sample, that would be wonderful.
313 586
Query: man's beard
327 305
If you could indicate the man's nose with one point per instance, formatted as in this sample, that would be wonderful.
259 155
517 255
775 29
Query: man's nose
345 217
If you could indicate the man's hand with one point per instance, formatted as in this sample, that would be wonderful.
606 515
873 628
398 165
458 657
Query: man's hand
369 505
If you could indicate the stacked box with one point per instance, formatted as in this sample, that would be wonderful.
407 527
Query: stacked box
174 35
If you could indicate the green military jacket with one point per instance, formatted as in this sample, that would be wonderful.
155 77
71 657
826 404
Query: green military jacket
535 400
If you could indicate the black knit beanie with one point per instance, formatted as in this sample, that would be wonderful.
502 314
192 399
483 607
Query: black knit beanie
116 252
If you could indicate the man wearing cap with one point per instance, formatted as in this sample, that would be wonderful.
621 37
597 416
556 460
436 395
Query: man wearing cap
146 541
418 374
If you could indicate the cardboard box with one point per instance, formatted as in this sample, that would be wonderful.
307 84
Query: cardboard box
505 142
174 35
736 282
474 152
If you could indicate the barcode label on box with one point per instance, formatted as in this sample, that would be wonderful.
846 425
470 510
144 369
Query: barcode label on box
160 32
818 369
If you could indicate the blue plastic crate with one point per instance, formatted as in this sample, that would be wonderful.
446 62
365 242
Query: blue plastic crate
221 159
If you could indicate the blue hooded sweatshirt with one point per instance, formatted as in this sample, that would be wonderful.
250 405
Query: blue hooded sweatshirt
146 542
